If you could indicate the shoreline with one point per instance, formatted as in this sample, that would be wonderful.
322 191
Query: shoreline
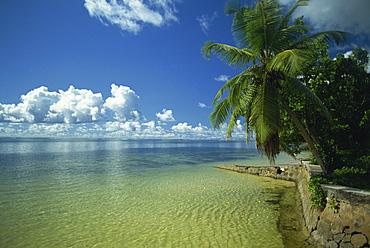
291 222
344 225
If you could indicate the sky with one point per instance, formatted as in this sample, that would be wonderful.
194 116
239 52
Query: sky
129 68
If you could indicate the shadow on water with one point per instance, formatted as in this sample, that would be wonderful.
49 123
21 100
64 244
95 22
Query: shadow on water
290 222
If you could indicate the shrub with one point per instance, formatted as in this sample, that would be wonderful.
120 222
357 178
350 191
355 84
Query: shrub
351 177
317 196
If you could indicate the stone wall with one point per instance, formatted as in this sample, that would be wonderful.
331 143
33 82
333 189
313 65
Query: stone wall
345 221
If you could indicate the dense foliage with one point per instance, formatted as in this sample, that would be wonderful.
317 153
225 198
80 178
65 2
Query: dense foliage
343 85
348 176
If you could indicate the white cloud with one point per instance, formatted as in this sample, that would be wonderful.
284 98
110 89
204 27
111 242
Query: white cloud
165 116
76 106
128 126
205 21
72 106
131 126
350 16
82 113
153 130
127 130
131 15
202 105
57 129
182 127
33 108
123 104
222 78
184 130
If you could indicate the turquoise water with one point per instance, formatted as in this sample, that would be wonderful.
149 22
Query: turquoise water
112 193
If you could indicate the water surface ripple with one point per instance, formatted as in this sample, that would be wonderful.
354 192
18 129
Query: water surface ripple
111 193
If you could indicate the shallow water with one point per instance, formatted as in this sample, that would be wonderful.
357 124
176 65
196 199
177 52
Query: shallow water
111 193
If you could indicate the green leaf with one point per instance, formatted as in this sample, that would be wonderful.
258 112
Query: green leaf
297 87
230 54
290 61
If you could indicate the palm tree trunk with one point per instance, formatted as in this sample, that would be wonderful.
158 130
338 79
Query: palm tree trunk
305 135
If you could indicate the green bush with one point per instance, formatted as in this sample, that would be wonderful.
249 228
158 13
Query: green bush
346 176
351 177
314 186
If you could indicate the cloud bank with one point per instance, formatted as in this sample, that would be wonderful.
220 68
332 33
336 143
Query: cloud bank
85 114
132 15
73 106
350 16
112 129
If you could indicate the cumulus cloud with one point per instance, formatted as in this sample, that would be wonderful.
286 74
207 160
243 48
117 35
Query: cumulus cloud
350 16
34 106
82 113
75 106
130 126
131 15
184 130
165 116
72 106
222 78
205 21
123 103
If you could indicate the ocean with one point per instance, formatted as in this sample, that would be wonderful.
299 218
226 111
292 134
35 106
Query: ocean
135 193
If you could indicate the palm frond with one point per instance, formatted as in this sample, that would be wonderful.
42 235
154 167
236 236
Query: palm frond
228 85
265 120
271 147
287 36
242 107
261 23
220 113
290 61
241 93
265 111
238 25
230 54
237 113
290 13
326 36
233 7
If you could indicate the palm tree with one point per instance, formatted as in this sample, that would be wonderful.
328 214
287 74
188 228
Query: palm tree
272 52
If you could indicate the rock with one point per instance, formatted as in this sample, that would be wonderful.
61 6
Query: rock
358 239
346 245
331 244
339 237
324 229
336 226
347 238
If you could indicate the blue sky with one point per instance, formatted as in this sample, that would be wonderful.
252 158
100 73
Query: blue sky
130 68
